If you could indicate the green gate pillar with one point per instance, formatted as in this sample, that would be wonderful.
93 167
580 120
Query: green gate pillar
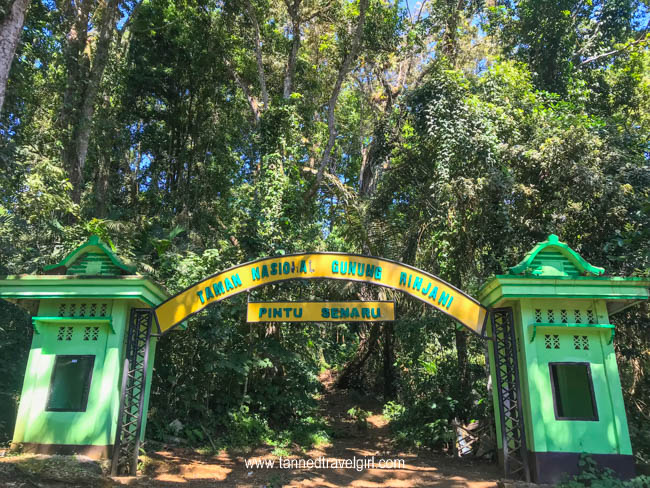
569 397
81 308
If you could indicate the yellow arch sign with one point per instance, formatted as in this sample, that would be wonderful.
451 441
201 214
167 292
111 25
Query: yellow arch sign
337 266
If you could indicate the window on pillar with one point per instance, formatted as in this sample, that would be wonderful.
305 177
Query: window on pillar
573 391
70 383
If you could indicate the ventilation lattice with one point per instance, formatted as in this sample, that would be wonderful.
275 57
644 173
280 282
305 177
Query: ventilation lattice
551 341
83 310
580 342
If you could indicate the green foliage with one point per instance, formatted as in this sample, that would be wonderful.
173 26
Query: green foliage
393 410
423 424
591 475
360 417
243 429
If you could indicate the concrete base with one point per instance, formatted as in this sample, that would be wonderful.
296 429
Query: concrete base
553 467
93 452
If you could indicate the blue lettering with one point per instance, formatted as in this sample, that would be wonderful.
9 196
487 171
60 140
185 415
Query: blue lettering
402 278
255 272
418 283
444 296
208 293
200 294
434 293
218 288
236 281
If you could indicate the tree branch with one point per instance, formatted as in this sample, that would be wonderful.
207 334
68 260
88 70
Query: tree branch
252 101
641 38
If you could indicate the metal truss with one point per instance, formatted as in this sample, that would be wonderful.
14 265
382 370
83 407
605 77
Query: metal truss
513 436
132 393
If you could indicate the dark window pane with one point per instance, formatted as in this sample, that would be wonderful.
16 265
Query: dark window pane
70 383
573 391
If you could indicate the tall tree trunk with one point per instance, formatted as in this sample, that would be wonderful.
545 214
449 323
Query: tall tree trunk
82 85
10 29
96 74
258 54
293 9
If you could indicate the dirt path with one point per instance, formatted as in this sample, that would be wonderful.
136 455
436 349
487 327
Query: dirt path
186 468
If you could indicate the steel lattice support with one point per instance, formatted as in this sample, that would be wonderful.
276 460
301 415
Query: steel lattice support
132 394
515 453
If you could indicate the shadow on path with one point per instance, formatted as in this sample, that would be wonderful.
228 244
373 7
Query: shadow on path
186 468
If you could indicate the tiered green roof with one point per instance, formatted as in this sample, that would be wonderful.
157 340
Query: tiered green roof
554 258
93 258
553 270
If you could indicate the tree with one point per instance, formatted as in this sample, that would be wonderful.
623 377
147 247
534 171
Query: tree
11 23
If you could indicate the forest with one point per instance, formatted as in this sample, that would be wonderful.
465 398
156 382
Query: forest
450 135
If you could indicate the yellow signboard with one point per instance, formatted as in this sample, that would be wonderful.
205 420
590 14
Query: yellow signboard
320 311
338 266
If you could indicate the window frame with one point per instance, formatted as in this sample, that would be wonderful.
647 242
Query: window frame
591 390
86 391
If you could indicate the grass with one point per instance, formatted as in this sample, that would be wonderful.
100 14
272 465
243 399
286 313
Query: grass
70 470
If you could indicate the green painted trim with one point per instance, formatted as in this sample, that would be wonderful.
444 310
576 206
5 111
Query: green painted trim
37 321
595 281
606 288
554 242
631 279
569 325
71 295
93 241
45 287
573 297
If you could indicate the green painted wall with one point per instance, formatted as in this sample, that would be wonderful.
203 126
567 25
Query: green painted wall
98 424
545 433
92 427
